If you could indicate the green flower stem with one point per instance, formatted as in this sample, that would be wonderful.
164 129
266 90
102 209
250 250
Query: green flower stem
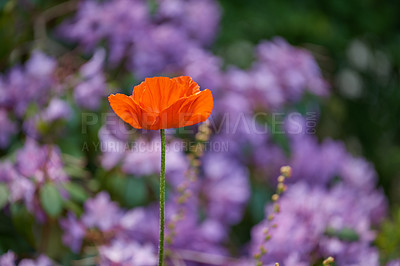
162 199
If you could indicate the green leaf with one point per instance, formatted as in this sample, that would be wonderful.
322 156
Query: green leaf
51 200
23 222
4 193
72 206
135 192
348 234
76 192
259 197
344 234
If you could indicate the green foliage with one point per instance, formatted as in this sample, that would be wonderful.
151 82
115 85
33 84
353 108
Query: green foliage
129 191
388 240
4 193
23 222
14 239
76 192
344 234
51 200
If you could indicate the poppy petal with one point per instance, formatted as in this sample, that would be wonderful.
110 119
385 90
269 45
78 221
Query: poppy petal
157 94
188 111
200 108
190 86
126 109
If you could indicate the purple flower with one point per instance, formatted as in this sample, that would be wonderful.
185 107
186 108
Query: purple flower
394 263
8 259
159 50
201 19
128 254
94 65
115 21
42 260
40 163
56 110
213 231
144 159
154 43
7 172
281 74
311 222
113 149
296 68
101 212
40 65
226 188
327 159
358 173
198 19
87 26
204 68
22 188
132 218
89 93
74 232
25 85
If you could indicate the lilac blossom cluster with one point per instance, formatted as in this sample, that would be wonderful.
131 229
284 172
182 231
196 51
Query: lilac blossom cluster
281 74
90 88
9 259
23 87
32 98
34 166
328 222
329 209
31 83
129 237
147 42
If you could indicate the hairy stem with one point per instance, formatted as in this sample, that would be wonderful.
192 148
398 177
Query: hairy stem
162 199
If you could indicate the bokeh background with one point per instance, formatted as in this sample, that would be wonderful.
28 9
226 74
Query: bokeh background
310 84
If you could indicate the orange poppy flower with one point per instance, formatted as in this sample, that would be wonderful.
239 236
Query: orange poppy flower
161 102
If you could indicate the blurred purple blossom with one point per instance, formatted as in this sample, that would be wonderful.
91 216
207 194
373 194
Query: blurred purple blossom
204 67
90 91
281 73
143 156
101 212
25 85
308 213
199 19
40 162
394 263
35 165
42 260
127 253
226 187
57 110
40 65
74 232
8 259
132 32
